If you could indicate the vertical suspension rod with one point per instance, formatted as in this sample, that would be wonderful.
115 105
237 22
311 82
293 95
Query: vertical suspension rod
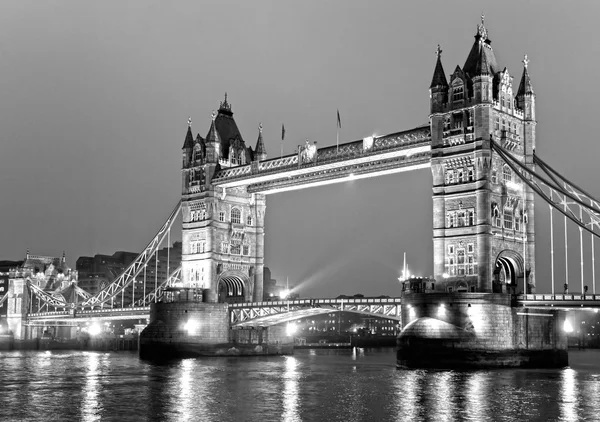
566 248
593 260
144 287
581 247
552 246
168 252
155 272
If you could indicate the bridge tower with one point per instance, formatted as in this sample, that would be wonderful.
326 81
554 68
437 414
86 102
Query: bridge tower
223 229
483 226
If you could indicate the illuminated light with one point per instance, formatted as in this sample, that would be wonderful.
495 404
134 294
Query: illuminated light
94 329
285 293
568 327
191 326
351 176
291 329
270 294
513 186
445 275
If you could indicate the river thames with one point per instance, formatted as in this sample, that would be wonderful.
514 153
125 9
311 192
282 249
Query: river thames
312 385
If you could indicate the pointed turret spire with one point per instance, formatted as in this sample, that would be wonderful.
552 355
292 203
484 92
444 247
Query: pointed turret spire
225 107
439 77
525 86
260 152
213 135
64 257
189 138
481 59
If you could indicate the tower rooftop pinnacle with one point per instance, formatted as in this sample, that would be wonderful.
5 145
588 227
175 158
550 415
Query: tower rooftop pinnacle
260 145
189 139
525 87
225 107
481 59
439 77
213 135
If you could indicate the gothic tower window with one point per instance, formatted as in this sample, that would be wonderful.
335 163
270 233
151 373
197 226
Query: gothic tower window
246 250
450 177
471 219
450 219
457 93
249 220
497 123
221 216
471 174
236 249
494 177
197 155
508 218
496 216
236 216
460 261
506 174
517 221
460 176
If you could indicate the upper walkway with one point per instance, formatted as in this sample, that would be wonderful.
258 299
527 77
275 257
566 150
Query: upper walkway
312 166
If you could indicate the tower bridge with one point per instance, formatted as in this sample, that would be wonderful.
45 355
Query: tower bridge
481 146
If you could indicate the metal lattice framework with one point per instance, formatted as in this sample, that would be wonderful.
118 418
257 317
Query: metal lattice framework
46 299
157 294
3 298
129 274
381 307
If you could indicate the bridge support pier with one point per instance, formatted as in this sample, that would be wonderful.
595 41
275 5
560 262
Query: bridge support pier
475 330
189 328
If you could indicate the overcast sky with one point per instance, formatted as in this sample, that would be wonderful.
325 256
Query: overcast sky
95 97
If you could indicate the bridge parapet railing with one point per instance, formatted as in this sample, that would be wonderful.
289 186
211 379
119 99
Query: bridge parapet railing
559 297
317 302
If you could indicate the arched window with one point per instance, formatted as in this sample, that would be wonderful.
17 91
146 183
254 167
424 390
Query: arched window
249 220
236 216
197 155
460 176
458 93
506 174
233 156
470 220
471 174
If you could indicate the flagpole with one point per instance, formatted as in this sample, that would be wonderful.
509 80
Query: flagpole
337 130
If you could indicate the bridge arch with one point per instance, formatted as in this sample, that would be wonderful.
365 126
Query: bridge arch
508 267
232 287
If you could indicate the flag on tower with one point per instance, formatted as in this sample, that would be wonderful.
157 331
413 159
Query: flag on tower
339 121
282 132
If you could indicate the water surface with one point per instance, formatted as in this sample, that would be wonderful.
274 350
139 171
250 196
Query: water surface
339 385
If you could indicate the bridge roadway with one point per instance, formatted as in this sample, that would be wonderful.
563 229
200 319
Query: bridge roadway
255 313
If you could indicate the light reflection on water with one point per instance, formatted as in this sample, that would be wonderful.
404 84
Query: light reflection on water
309 386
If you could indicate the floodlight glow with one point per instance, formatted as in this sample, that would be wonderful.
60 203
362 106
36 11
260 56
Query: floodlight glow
190 326
291 329
285 293
445 275
94 329
568 327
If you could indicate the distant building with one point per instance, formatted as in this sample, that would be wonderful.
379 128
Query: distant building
5 267
97 272
272 291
